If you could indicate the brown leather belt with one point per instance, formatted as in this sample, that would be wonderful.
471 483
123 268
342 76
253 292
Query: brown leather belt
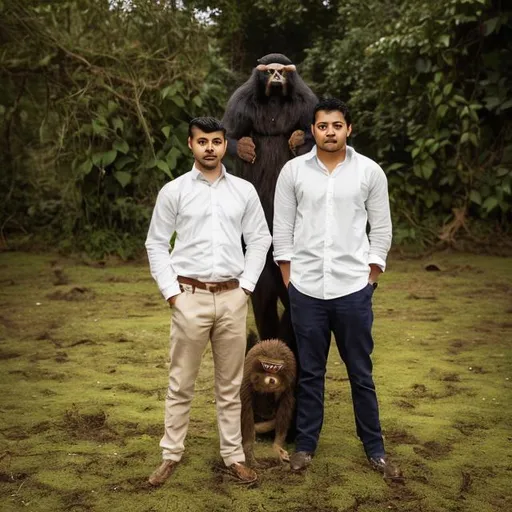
211 287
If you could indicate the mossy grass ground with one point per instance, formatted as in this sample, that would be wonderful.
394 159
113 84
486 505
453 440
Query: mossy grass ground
83 372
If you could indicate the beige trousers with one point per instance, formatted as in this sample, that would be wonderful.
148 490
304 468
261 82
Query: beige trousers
196 318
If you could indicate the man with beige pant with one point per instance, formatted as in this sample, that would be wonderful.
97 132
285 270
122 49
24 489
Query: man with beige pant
207 280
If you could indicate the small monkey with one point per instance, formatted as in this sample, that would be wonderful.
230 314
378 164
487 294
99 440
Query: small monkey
267 395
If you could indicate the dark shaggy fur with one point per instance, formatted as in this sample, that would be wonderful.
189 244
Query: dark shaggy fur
267 395
269 121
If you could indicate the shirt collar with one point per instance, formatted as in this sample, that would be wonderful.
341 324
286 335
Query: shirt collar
198 175
312 155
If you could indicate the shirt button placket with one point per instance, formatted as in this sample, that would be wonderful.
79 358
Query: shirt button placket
215 230
328 233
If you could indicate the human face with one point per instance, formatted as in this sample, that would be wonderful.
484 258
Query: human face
331 131
208 149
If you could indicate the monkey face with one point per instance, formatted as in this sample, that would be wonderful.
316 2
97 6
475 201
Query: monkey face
266 377
275 78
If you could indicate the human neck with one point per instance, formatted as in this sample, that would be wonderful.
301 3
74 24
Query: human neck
331 159
210 175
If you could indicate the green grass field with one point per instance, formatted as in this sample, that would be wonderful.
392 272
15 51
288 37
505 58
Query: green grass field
83 375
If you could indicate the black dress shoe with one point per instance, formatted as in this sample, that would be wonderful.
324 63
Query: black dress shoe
300 460
389 470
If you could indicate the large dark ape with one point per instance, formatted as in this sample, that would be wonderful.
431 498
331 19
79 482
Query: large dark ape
267 121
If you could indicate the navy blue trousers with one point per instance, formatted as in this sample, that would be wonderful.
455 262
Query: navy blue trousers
350 318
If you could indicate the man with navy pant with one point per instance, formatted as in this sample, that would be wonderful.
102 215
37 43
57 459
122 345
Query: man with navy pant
323 202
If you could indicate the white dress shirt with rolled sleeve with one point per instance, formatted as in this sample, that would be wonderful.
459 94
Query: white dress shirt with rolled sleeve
209 220
320 223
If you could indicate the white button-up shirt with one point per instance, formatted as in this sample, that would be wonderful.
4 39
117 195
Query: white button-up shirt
320 223
209 220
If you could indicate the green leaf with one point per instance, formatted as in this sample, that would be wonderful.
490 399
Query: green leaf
441 111
109 157
86 167
123 161
104 158
395 166
98 127
162 165
490 26
44 61
426 171
112 106
475 197
423 65
123 177
473 139
447 89
445 40
491 102
490 203
97 159
198 101
437 77
415 152
464 138
464 112
506 105
178 100
166 130
437 100
117 124
121 146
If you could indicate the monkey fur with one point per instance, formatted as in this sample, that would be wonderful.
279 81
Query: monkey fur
267 395
268 121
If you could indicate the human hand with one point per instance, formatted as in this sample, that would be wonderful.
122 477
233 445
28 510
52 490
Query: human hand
172 300
245 149
297 138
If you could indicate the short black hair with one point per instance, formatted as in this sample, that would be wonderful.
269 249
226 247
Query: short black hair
333 105
207 125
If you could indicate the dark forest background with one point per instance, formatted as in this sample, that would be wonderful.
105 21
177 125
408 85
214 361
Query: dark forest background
96 95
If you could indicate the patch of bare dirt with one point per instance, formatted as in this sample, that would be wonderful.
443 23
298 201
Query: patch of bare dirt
457 346
89 426
414 296
8 355
400 437
432 450
77 293
76 502
403 404
468 428
15 433
419 472
12 477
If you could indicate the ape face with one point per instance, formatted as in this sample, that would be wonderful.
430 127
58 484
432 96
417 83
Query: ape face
266 376
274 77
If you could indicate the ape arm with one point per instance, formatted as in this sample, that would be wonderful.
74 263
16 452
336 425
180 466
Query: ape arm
284 416
248 434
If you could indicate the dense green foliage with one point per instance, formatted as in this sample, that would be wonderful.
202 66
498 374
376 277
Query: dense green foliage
95 105
430 84
95 98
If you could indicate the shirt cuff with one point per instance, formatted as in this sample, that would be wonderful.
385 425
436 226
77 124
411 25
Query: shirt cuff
171 291
377 260
246 285
281 257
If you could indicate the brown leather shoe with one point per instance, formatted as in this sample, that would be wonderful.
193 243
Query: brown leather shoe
243 473
300 460
389 470
163 472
